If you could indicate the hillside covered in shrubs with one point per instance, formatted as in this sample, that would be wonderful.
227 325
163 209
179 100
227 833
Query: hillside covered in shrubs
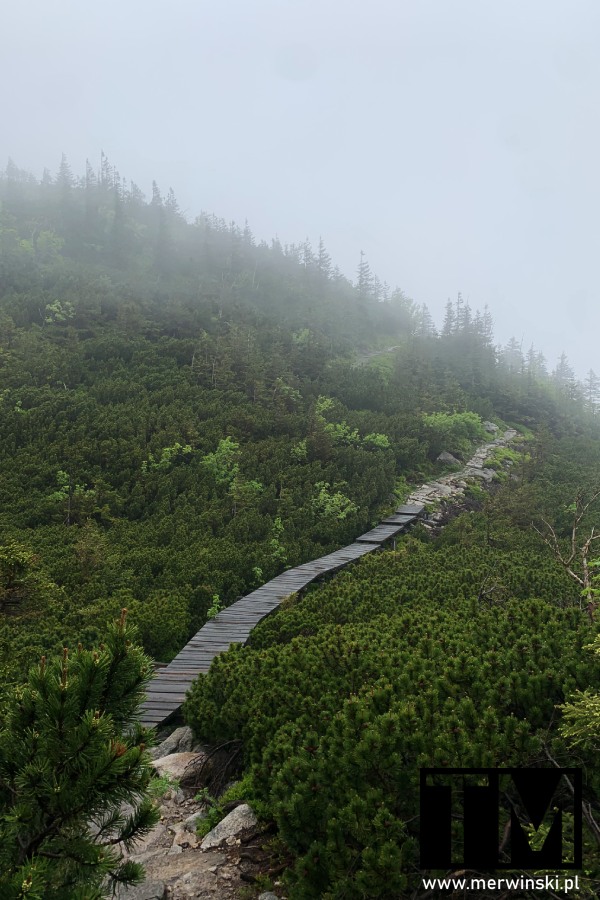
185 412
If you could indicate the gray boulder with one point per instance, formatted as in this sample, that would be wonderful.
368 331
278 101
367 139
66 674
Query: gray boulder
446 457
484 474
148 890
240 818
176 764
180 741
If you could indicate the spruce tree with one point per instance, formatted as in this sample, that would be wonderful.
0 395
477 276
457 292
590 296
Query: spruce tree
72 754
425 323
512 357
364 279
449 326
564 380
541 365
323 260
487 326
592 392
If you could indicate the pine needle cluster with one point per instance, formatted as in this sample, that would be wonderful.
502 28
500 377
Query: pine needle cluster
74 772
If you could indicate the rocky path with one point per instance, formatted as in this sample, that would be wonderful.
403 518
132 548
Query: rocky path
454 484
178 864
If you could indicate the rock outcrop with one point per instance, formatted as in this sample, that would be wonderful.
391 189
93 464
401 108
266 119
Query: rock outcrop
446 487
446 457
238 820
179 865
177 765
180 741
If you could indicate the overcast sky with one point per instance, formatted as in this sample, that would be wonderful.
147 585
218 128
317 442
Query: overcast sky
456 142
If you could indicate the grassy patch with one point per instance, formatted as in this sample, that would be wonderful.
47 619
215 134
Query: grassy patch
159 786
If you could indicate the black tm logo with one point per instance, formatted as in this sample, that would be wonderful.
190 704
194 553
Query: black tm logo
480 818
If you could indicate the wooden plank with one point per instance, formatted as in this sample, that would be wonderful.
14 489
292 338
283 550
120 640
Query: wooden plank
174 699
177 679
167 709
220 631
155 700
411 509
158 701
189 662
164 701
198 659
381 533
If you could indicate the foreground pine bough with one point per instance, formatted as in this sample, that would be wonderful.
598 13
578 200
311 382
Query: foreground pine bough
71 756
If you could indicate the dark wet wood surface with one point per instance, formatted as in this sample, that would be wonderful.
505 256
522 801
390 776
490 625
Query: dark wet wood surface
233 625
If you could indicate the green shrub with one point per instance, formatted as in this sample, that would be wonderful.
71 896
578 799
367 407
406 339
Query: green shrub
402 662
71 753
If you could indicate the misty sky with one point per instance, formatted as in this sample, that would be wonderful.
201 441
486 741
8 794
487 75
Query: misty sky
457 142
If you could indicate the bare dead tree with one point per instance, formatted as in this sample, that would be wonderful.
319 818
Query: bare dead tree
493 588
577 551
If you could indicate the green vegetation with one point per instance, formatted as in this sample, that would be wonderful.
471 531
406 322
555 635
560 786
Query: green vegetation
160 784
217 807
457 652
453 432
182 417
581 725
71 754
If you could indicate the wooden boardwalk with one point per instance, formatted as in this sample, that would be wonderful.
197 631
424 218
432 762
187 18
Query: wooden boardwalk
233 625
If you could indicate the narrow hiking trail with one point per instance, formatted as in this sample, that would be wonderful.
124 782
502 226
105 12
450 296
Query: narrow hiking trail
234 624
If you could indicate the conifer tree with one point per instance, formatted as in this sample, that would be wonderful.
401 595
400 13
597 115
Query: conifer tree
563 377
542 368
425 323
323 259
91 200
308 259
364 280
487 326
65 183
464 316
64 178
377 290
563 373
592 392
71 755
531 363
449 326
581 723
105 177
172 206
135 196
512 356
162 245
459 311
118 230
